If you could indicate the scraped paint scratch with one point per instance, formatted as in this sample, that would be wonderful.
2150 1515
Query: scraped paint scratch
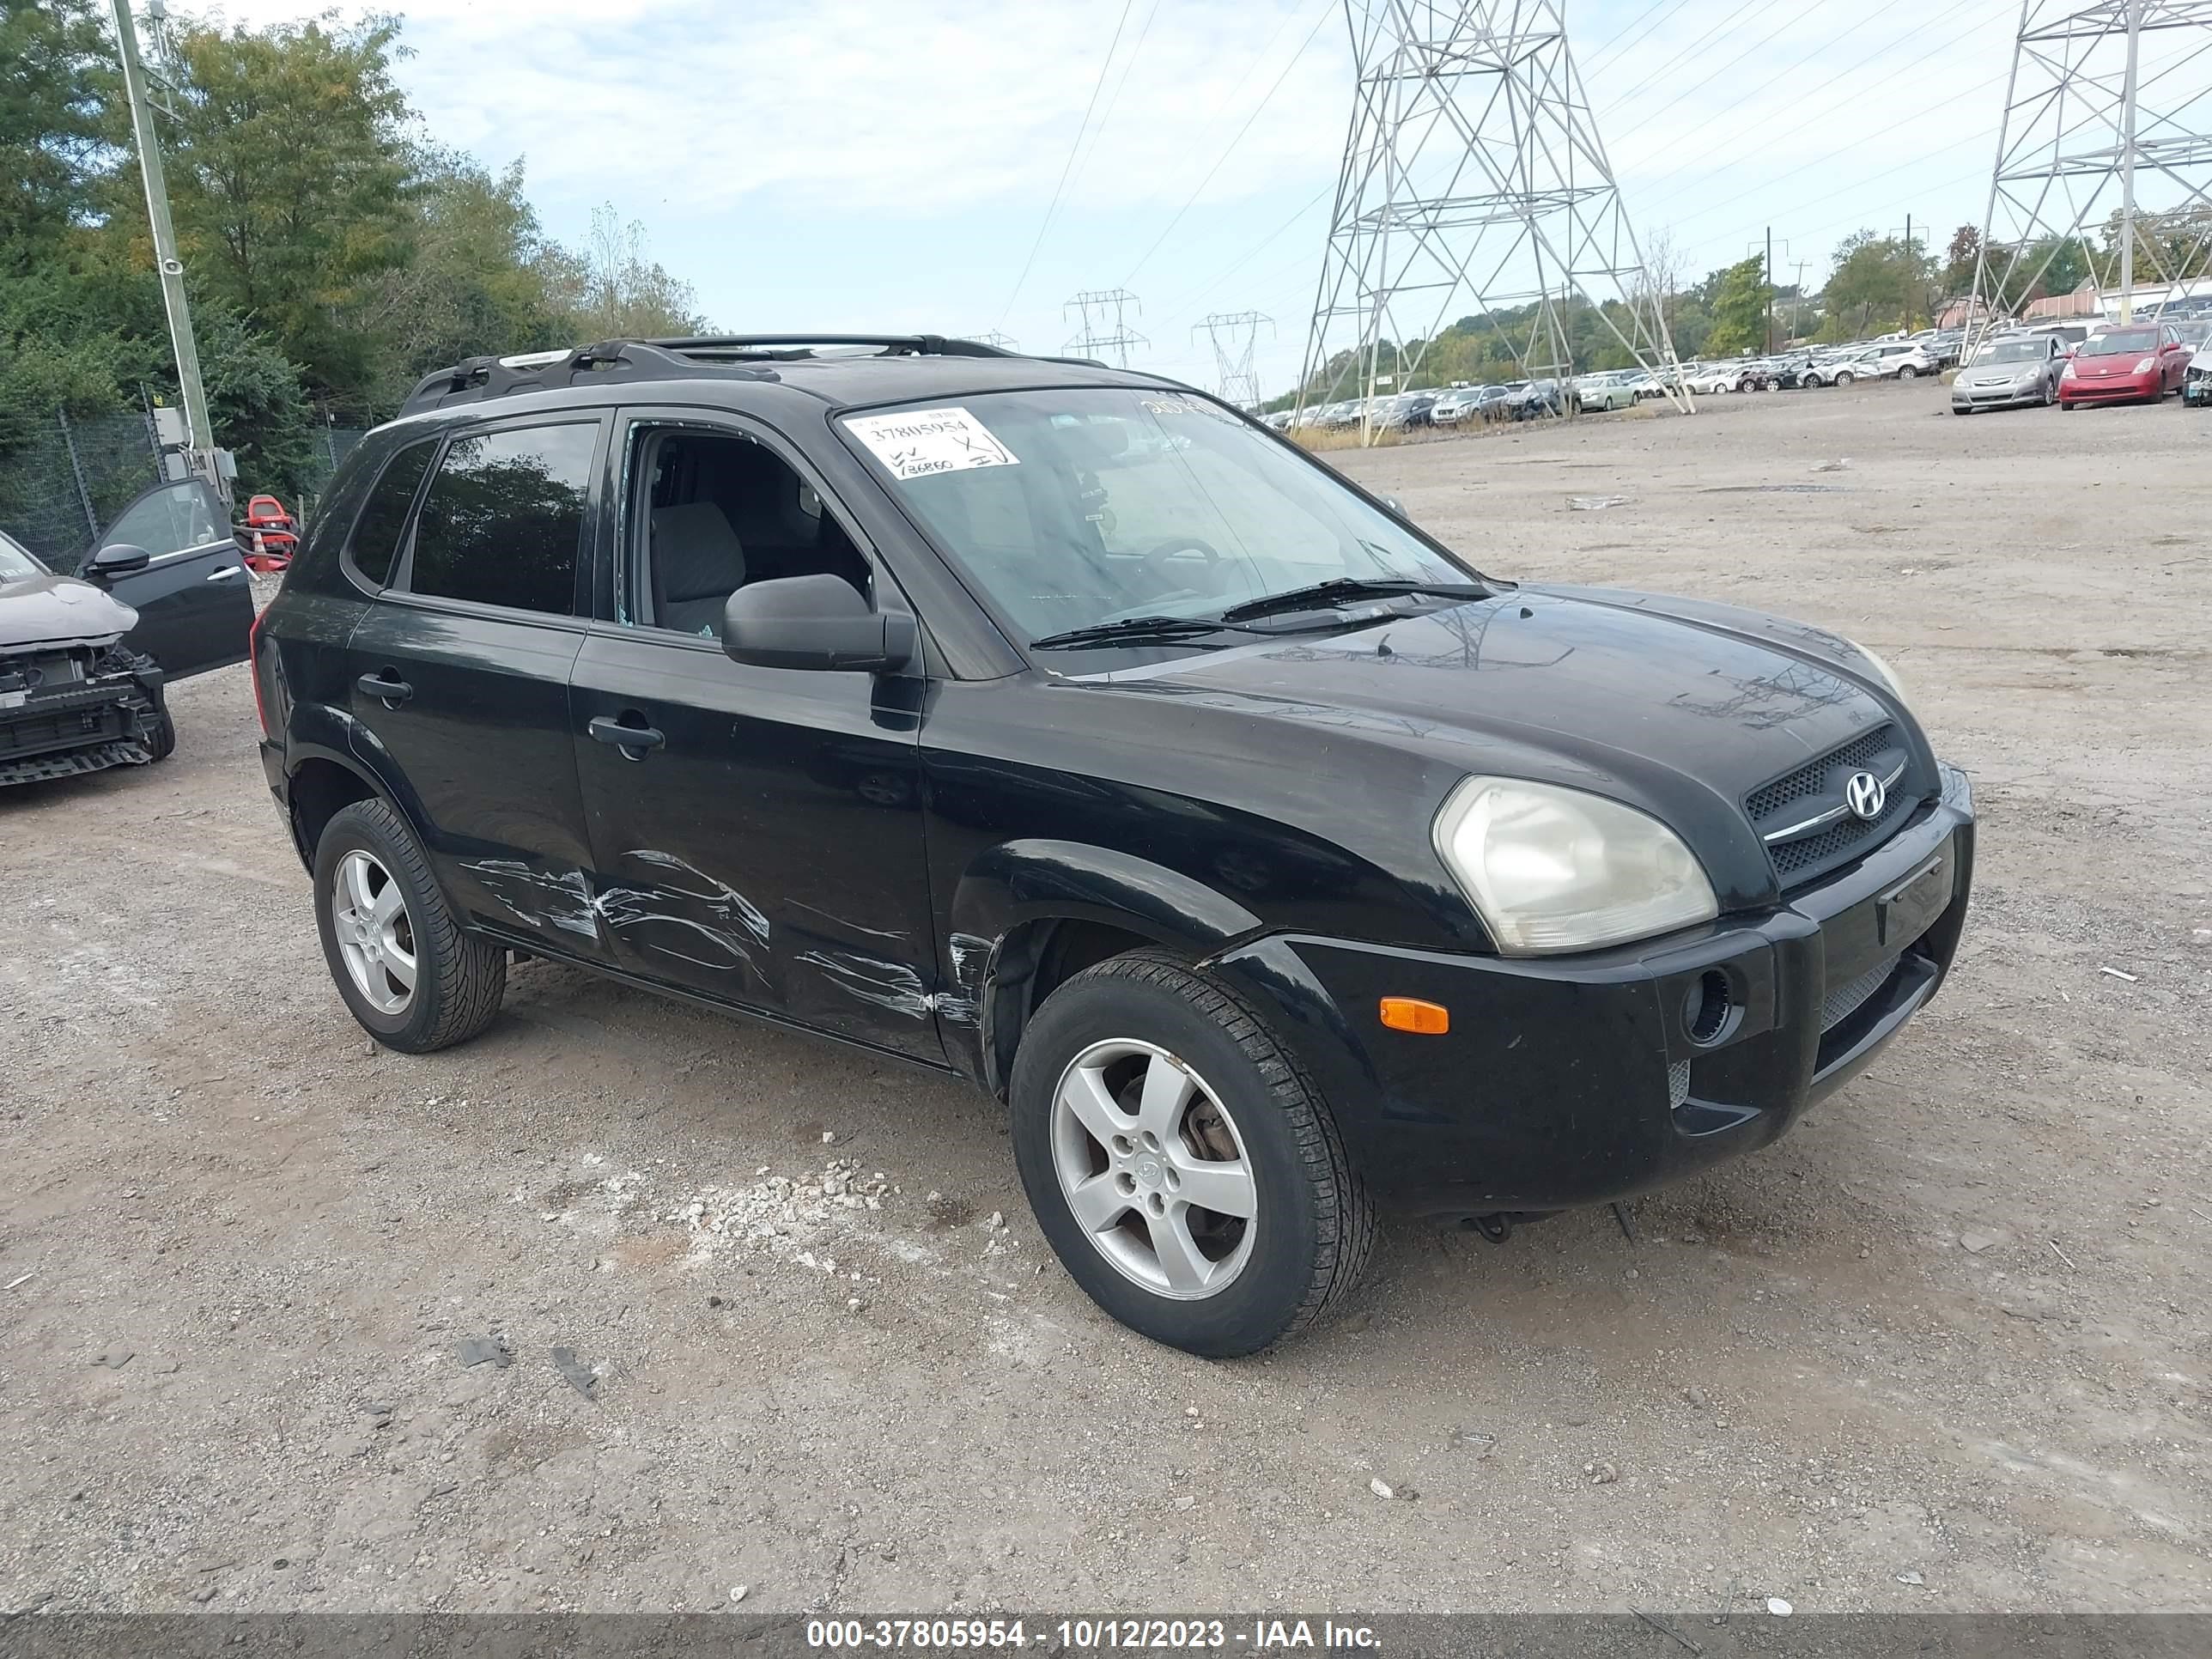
540 898
886 984
972 960
733 904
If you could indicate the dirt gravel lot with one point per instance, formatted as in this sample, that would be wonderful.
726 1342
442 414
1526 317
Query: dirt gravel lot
1946 1347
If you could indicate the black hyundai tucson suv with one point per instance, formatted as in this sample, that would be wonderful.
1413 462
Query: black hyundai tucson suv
1060 728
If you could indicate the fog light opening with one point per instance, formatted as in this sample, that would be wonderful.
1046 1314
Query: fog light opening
1708 1009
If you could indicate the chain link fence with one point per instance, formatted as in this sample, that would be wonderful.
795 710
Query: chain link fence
68 477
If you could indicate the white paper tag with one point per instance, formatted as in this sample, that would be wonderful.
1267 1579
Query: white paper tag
931 440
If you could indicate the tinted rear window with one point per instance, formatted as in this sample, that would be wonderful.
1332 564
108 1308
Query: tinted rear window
376 535
504 517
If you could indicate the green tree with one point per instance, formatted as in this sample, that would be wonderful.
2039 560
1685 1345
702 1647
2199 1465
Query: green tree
1960 259
612 290
289 174
1878 283
53 58
1738 308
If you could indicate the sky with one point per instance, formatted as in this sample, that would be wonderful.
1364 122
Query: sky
961 166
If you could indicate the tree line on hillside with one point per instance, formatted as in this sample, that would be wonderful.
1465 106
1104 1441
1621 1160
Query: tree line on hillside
1878 284
335 253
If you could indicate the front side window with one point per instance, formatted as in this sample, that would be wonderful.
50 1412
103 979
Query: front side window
383 519
169 520
504 519
719 510
1074 507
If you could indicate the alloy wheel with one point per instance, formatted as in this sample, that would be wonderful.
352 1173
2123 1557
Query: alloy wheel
1153 1168
375 935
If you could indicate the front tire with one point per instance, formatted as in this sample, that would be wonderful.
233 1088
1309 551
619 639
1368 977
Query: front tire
1184 1169
1908 373
410 976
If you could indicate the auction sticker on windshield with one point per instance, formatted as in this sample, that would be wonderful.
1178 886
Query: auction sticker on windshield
929 440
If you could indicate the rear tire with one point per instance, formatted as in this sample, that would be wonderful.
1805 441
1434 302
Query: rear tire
1118 1075
409 974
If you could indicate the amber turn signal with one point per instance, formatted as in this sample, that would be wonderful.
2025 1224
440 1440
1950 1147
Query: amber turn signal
1412 1014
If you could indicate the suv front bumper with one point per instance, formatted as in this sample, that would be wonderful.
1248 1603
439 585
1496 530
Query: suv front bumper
1573 1080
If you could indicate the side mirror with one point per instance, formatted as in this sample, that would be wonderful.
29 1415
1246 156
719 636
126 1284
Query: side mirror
121 559
817 621
1396 506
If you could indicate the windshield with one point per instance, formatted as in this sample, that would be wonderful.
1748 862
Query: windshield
2013 351
15 564
2121 341
1071 507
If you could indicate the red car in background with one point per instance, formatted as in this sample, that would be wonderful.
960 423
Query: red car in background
2138 363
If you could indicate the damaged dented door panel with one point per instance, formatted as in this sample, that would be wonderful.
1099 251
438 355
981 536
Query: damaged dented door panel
761 843
457 680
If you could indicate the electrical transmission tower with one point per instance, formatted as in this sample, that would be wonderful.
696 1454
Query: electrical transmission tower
2109 106
991 336
1473 182
1104 330
1234 335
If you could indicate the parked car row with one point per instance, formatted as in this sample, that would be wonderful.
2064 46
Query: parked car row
2077 363
1511 400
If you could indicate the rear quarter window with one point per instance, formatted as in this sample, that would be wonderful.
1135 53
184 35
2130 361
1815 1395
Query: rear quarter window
374 545
504 519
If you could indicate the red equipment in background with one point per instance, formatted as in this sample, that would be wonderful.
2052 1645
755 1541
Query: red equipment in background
269 538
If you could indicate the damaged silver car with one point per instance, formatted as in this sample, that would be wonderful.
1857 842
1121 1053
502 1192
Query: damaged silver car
84 659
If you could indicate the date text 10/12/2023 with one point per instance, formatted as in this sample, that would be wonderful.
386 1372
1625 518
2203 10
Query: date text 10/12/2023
1085 1635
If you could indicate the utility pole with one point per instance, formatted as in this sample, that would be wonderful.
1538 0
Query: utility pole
1769 290
1474 183
1234 337
2128 166
1100 337
2081 122
200 455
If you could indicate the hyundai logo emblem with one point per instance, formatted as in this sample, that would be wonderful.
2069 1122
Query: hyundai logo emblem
1864 795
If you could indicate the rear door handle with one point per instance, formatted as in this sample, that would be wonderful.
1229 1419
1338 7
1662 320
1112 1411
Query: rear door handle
386 686
605 729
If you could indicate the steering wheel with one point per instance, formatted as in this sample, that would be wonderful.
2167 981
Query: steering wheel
1158 556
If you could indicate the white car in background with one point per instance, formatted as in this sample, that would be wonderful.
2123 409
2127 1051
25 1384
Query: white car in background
1900 360
1840 367
1710 380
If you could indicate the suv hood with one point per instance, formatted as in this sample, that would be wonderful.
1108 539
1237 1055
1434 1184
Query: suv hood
1674 705
46 610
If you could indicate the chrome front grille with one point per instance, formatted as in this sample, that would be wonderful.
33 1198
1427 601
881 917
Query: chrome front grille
1802 816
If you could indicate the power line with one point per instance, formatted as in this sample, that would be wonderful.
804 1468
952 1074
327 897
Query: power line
1682 96
1767 140
1617 43
1053 206
1659 74
1231 145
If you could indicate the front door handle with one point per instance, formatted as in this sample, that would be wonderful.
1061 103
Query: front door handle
387 687
226 573
632 740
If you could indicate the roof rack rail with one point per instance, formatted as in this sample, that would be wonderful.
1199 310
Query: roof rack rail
796 346
719 356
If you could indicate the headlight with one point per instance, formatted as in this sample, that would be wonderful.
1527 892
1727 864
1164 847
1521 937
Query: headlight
2146 365
1882 667
1552 869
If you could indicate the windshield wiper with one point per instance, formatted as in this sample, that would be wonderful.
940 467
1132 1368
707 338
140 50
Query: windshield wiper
1129 631
1339 588
1137 630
